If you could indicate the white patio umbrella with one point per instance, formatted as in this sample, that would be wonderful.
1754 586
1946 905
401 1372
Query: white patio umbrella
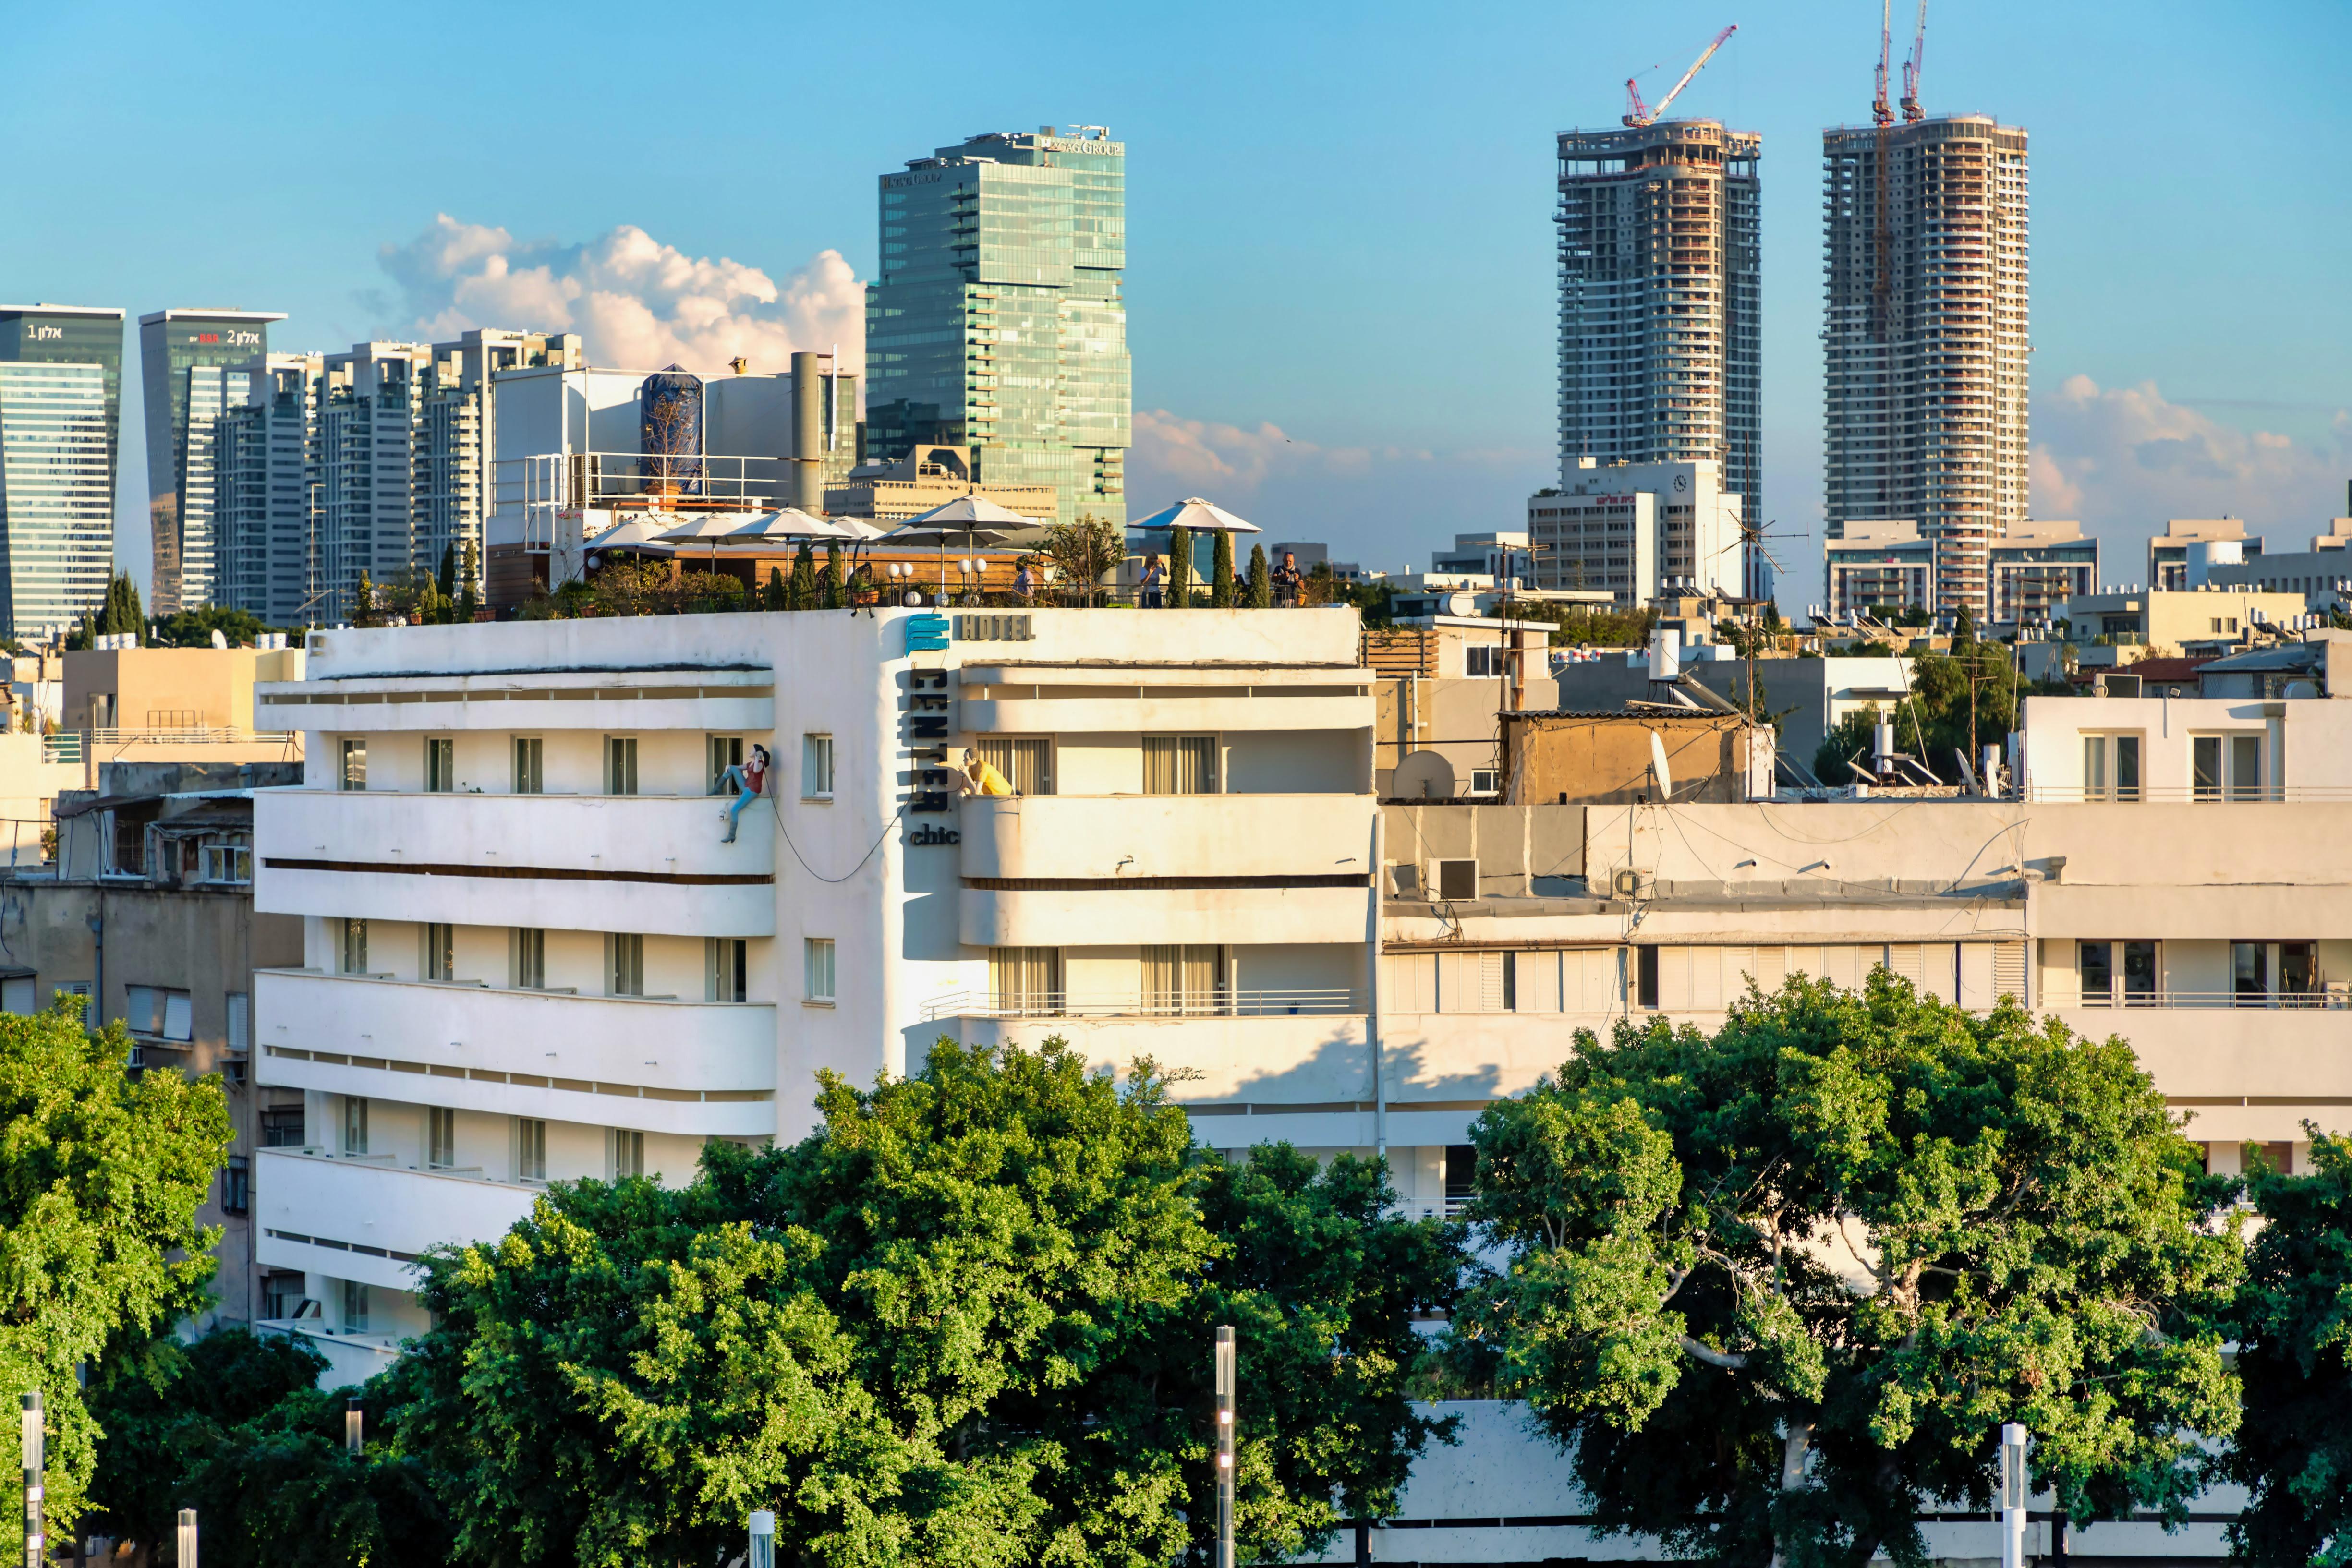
784 522
636 533
974 519
1198 516
702 529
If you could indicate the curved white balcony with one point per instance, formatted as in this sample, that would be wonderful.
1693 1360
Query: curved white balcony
369 1219
584 863
703 1069
1118 837
1057 915
730 701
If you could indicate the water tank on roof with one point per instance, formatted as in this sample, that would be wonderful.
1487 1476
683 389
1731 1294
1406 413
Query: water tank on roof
669 432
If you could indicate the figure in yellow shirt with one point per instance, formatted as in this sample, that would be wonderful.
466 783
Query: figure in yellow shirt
980 779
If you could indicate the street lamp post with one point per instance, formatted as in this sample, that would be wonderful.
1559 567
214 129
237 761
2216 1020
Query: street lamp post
353 1421
2012 1495
186 1542
34 1547
1224 1381
764 1539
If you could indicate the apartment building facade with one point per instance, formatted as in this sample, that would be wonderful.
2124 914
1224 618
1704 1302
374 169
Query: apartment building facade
194 367
1637 530
60 431
529 956
1925 337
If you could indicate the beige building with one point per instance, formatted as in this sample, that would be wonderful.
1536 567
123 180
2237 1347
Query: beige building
930 476
2177 619
159 705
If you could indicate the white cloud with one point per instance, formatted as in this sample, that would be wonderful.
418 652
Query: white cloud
2125 459
1203 454
637 302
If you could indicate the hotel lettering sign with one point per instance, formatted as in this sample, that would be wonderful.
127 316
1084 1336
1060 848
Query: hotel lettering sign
928 702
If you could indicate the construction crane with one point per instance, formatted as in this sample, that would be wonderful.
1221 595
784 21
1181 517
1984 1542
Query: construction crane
1881 113
1638 114
1911 109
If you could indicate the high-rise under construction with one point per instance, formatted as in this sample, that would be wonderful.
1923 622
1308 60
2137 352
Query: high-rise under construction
1925 336
1659 295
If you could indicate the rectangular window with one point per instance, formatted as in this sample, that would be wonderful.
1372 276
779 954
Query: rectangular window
1457 880
2140 972
1185 981
620 765
440 1137
224 860
625 1152
1510 982
240 1020
353 957
727 966
354 756
237 1184
1025 982
2205 762
528 949
355 1306
625 964
1461 1173
1645 977
2298 975
280 1292
440 958
816 967
816 768
18 995
2097 971
157 1011
440 763
1179 764
2250 974
355 1125
531 1149
1027 765
528 777
725 751
281 1126
2246 767
88 1004
1482 662
2111 768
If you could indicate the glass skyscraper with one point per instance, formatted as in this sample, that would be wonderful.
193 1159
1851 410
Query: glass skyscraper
60 407
184 359
998 322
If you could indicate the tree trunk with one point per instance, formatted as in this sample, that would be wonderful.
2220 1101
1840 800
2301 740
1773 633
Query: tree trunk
1796 1444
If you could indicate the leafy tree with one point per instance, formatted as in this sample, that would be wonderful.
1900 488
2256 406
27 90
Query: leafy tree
800 593
363 602
1180 568
1322 585
1082 551
1771 1289
1221 571
965 1321
1261 579
469 590
2293 1450
164 1407
424 600
195 628
100 1180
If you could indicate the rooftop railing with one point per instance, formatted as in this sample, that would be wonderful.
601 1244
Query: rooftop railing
1223 1004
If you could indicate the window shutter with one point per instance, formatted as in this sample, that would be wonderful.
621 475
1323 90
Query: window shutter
1490 982
240 1020
2008 970
179 1018
16 995
138 1008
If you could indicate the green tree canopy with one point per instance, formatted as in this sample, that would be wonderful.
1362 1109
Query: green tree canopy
195 628
1771 1289
1261 579
966 1321
2293 1450
101 1174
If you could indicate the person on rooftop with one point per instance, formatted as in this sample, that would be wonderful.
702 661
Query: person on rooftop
1287 582
1153 595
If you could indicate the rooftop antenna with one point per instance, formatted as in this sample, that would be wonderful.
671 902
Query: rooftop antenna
1639 114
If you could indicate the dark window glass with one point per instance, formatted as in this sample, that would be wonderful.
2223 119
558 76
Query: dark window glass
2249 975
1461 1168
2139 973
1645 982
2099 974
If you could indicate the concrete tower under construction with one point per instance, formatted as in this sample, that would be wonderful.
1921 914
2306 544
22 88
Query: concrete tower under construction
1659 295
1925 337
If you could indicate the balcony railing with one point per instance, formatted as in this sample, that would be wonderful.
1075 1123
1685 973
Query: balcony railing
1063 1005
2335 998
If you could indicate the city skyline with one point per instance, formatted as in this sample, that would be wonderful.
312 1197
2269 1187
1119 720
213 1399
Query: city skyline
1352 336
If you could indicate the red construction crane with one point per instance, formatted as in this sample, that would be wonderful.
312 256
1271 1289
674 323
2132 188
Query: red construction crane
1880 113
1638 114
1911 109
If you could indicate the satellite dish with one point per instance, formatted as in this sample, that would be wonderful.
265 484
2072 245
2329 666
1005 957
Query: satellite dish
1423 776
1658 765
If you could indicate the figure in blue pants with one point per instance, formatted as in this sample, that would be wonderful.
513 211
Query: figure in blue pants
751 779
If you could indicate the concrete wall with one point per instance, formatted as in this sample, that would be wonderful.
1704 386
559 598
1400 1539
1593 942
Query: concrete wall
161 688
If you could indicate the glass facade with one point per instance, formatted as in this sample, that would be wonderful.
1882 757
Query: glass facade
181 357
998 322
60 404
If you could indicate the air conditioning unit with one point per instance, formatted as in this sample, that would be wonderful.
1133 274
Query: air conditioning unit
1629 883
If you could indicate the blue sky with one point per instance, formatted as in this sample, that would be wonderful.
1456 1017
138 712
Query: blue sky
1340 274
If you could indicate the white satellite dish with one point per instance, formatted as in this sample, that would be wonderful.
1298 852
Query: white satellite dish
1423 776
1658 765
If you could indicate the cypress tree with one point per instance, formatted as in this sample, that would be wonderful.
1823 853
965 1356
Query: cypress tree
1261 579
771 596
469 598
1221 571
800 593
1180 568
447 582
833 589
